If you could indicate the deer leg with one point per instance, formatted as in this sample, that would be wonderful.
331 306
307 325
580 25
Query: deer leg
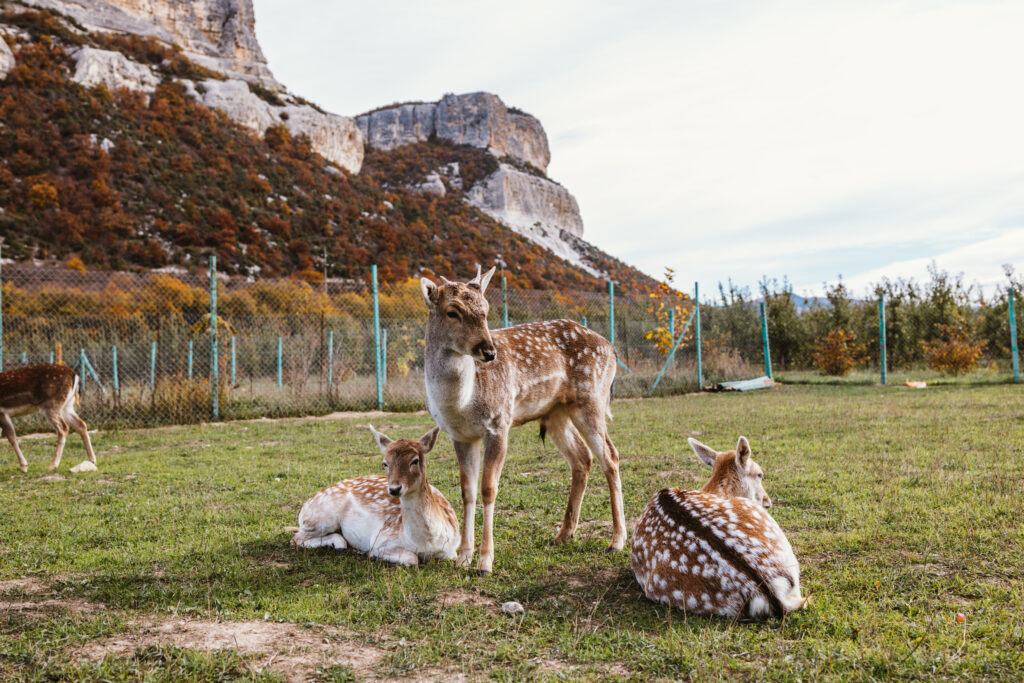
591 424
53 414
78 424
468 455
8 427
569 443
495 446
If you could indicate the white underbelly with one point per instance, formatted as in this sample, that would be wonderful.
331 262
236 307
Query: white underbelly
19 411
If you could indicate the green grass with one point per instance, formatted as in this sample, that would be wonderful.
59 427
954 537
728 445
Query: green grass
903 506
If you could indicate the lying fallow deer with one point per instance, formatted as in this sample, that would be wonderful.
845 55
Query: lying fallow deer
481 383
717 551
53 391
399 518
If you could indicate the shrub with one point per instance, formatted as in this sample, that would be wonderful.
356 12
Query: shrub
953 353
838 352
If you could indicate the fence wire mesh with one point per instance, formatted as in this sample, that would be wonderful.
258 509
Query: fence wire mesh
141 341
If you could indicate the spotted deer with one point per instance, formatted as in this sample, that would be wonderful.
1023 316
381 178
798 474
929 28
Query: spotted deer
481 383
398 518
717 551
53 391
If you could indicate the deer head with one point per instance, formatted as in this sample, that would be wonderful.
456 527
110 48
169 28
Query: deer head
404 461
457 321
735 474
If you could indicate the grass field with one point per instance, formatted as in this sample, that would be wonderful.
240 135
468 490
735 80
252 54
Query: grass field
171 562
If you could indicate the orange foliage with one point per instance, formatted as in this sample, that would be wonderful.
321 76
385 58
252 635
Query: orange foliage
953 353
838 353
662 300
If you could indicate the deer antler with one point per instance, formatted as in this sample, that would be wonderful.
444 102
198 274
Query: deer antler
475 282
446 280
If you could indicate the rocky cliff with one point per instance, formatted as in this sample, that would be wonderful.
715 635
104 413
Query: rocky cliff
218 34
479 119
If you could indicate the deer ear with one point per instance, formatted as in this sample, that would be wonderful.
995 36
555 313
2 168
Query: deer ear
429 291
428 439
708 456
382 440
742 453
486 279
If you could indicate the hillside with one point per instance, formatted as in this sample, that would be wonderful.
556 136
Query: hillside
129 180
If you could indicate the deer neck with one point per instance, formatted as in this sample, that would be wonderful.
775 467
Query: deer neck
420 515
450 376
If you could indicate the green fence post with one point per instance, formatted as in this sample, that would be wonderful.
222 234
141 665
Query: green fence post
214 358
280 352
113 370
376 339
24 358
152 365
51 357
190 359
764 341
882 360
330 359
584 322
81 370
384 353
672 336
504 303
696 322
1013 339
233 363
611 312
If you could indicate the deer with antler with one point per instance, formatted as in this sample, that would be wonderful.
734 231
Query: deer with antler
717 551
481 383
53 391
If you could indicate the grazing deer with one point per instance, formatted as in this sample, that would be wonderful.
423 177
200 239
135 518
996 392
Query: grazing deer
717 551
399 518
53 391
481 383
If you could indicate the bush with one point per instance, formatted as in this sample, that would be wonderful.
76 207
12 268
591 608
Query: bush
953 353
838 352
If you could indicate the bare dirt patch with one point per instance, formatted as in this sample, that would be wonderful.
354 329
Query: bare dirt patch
601 577
463 597
27 585
40 607
290 650
932 568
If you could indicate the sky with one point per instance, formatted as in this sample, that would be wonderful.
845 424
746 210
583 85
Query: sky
729 141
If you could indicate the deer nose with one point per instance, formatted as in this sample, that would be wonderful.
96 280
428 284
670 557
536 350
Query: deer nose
486 351
395 490
767 502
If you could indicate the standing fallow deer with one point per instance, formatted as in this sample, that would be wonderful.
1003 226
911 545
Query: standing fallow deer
53 391
398 518
717 551
481 383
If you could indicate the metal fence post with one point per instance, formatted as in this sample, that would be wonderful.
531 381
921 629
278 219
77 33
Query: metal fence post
376 339
1013 338
504 303
152 365
81 370
113 371
584 322
330 359
215 408
672 336
883 362
764 341
190 359
384 353
280 352
51 357
611 312
233 363
696 321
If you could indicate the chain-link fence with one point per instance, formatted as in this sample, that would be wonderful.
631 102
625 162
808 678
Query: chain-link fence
141 342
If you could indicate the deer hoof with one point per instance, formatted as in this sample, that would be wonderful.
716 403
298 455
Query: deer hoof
24 469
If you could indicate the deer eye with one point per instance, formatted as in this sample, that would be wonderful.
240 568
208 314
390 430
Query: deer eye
453 315
415 461
385 465
760 475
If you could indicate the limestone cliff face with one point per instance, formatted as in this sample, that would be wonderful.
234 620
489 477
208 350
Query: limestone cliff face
479 119
524 201
219 34
6 59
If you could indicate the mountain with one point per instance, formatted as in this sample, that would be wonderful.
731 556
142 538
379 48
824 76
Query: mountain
129 153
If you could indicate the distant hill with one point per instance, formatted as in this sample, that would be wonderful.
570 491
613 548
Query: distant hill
133 180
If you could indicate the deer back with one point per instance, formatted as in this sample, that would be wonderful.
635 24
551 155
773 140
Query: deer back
29 387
